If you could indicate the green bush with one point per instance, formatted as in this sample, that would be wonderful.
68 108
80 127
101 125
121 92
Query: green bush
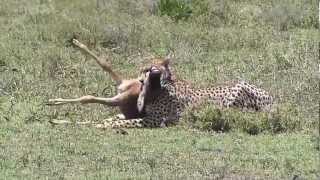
176 9
283 118
208 118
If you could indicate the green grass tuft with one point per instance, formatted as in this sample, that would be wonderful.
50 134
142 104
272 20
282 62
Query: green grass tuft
176 9
283 118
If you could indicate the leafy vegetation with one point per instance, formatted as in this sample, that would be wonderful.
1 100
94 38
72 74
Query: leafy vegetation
283 118
273 44
177 9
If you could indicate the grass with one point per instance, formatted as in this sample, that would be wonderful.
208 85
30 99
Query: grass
282 118
77 153
271 44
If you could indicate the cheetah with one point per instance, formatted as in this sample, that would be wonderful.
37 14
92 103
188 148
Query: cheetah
173 96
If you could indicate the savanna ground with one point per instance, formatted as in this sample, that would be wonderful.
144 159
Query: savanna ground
273 44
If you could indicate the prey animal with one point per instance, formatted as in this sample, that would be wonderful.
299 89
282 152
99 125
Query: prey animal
128 91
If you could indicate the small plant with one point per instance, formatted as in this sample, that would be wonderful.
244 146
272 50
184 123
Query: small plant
176 9
207 118
211 118
285 117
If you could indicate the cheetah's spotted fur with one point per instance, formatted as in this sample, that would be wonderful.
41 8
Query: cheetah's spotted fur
176 95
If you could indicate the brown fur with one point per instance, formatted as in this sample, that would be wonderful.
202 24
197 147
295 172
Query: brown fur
128 90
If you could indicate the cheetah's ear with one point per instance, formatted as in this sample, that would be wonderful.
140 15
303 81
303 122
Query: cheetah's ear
143 93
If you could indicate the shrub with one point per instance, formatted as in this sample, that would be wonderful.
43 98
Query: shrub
207 117
176 9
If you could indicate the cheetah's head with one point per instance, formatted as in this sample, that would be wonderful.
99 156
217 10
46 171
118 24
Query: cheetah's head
152 79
